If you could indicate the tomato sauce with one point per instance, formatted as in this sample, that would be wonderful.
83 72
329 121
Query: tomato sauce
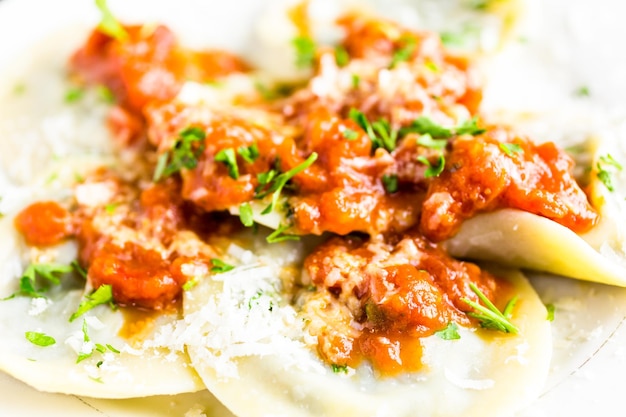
44 223
482 174
397 290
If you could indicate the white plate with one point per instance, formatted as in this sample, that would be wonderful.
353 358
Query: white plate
588 373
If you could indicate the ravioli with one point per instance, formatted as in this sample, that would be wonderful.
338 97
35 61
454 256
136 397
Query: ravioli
243 336
114 366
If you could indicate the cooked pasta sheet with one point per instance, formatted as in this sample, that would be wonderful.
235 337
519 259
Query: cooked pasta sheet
243 335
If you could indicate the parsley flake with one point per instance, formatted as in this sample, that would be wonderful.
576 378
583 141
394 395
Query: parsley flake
40 339
273 183
423 125
390 182
49 272
550 309
220 266
105 94
606 166
511 148
404 52
305 51
427 141
451 332
102 295
249 153
228 158
339 368
582 91
187 148
433 170
350 134
246 215
341 56
278 235
489 315
109 24
380 132
356 81
74 94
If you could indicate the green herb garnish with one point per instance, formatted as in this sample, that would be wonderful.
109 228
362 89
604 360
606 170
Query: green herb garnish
390 182
249 153
605 165
74 95
220 266
428 141
582 91
246 215
339 368
350 134
49 272
404 52
423 125
305 51
187 148
489 315
279 236
551 309
380 132
341 56
109 24
433 170
40 339
510 148
228 158
102 295
451 332
273 183
105 94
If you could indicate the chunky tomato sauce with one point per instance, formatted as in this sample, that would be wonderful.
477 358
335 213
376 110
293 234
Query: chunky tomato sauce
379 130
397 290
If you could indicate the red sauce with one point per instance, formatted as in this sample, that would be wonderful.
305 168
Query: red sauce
398 290
480 176
147 66
44 223
139 277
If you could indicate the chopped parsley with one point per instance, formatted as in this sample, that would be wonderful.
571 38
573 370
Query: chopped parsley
228 158
105 94
350 134
431 66
190 283
511 148
102 295
423 125
404 52
96 347
451 332
220 266
279 236
339 368
341 56
109 24
40 339
390 182
427 141
489 315
606 166
305 51
49 272
187 148
249 153
550 309
246 215
582 91
79 269
110 208
433 170
356 81
272 182
74 94
380 132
